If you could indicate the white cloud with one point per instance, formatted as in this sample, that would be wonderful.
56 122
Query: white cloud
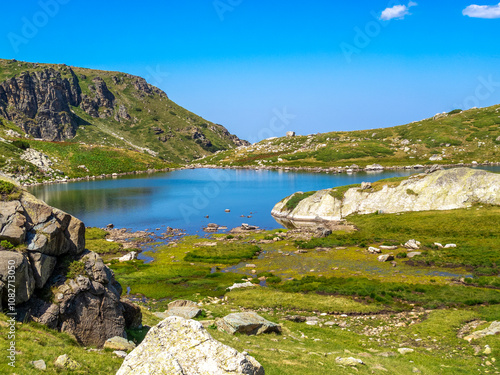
397 11
482 11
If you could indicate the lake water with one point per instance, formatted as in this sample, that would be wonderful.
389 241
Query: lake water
182 199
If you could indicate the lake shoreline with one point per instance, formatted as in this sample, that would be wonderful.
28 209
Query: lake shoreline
335 170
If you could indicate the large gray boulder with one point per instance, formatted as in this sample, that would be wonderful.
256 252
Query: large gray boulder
87 305
177 346
249 323
22 279
440 190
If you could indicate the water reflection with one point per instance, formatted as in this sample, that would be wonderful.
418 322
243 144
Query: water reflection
184 199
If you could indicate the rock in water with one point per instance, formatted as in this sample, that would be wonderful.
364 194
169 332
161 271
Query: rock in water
177 346
249 323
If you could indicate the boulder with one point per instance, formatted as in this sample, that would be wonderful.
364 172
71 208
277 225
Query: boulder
249 323
42 267
290 134
21 274
119 343
39 365
374 250
412 244
12 222
132 314
385 258
182 303
179 346
65 362
350 361
413 254
183 312
128 257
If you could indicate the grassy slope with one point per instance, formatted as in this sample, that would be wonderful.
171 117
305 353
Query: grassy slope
455 136
121 138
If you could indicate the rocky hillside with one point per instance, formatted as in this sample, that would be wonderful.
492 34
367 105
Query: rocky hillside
447 138
438 190
57 281
58 103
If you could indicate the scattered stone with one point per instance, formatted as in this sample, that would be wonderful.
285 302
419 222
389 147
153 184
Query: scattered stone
183 312
412 244
119 343
413 254
249 323
290 134
186 348
250 266
487 350
182 303
493 329
39 365
120 353
295 318
374 250
128 257
385 258
366 185
450 245
404 351
350 361
247 284
388 247
63 361
438 245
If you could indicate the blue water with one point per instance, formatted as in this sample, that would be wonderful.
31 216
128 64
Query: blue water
182 199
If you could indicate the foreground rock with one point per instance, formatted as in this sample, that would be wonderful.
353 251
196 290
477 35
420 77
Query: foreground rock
249 323
179 346
493 329
58 283
441 190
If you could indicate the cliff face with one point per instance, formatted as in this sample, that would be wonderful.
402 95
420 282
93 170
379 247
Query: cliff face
39 103
441 190
58 103
57 282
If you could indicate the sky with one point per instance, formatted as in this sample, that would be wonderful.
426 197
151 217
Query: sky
262 68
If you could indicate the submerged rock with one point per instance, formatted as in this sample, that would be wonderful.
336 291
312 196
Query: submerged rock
180 346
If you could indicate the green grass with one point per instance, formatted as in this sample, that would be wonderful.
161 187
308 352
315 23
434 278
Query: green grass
256 298
391 294
223 254
95 240
296 199
35 341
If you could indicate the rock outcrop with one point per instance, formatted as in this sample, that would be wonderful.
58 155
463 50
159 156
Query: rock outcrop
440 190
58 283
39 103
180 346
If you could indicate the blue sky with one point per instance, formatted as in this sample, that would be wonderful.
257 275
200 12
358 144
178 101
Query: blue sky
261 68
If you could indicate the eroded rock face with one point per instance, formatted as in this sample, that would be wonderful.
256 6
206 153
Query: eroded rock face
440 190
179 346
39 102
